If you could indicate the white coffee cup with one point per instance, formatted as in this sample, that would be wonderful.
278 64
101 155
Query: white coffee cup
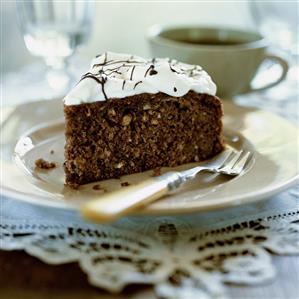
231 57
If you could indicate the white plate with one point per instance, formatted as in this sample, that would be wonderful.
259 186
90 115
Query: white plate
272 140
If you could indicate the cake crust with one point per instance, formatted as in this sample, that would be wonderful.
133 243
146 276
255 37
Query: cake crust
108 139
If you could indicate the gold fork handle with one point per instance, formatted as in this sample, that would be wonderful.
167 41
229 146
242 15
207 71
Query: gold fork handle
126 200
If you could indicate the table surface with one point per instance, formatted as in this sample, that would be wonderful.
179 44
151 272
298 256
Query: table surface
39 280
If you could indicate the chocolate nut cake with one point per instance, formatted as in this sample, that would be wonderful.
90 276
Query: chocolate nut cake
129 114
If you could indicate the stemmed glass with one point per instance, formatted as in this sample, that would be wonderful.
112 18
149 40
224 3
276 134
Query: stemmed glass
53 30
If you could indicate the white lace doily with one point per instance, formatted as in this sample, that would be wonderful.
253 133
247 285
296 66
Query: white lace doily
183 257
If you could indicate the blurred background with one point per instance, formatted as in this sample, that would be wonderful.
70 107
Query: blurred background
89 28
121 26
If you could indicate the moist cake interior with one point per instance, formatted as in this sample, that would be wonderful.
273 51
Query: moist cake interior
115 126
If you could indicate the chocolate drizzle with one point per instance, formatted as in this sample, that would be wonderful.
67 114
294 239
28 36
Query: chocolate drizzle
101 81
91 77
153 72
105 59
131 77
149 68
137 84
109 67
172 69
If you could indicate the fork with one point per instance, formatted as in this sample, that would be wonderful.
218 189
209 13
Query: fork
127 200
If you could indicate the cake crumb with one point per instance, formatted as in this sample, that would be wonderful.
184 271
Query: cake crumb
126 120
98 187
43 164
156 171
125 184
119 165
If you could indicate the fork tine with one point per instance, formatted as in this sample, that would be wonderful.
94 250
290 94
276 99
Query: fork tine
230 164
219 160
238 167
225 157
214 163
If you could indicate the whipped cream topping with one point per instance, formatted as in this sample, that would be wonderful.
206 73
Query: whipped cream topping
114 75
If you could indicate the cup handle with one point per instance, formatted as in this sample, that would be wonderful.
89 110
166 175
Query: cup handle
284 70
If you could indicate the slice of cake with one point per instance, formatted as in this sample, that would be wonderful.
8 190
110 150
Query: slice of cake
129 114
